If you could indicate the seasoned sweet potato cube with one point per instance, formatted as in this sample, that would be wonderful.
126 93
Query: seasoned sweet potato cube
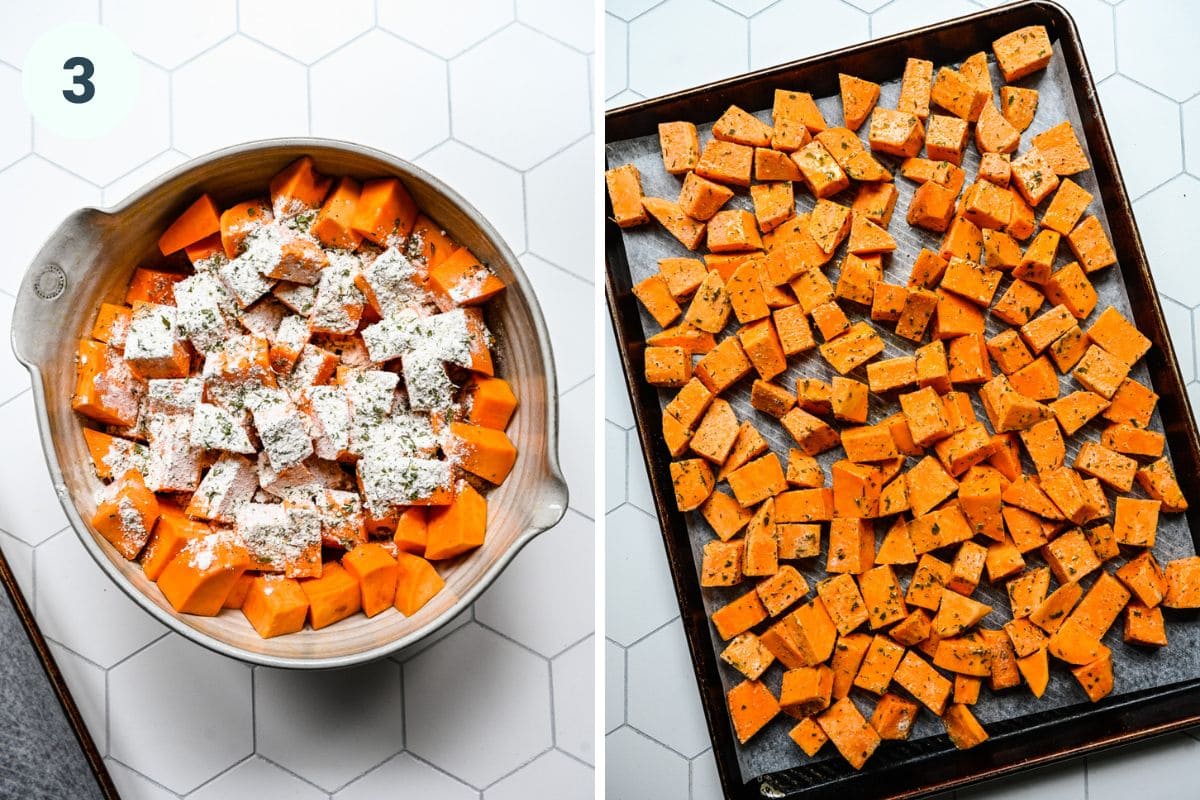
625 195
1183 583
748 655
852 349
726 162
1158 481
1018 105
962 727
795 117
1061 149
1033 177
915 86
668 366
923 682
1118 336
876 201
733 231
1100 372
824 176
1038 260
893 717
1144 626
849 731
1023 52
1129 440
680 146
925 588
851 549
879 664
751 707
987 205
700 198
896 133
1135 521
995 135
742 127
693 482
961 97
806 690
1096 678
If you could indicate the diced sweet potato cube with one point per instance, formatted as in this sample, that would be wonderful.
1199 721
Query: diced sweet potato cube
849 731
795 117
1096 678
1018 105
1023 52
824 176
751 706
700 198
896 133
1033 177
915 87
748 655
1090 244
923 682
1061 149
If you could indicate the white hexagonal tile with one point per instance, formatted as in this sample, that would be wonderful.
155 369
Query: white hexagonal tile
663 703
614 686
15 138
661 61
574 674
624 98
557 564
747 8
171 33
131 181
562 296
493 188
417 778
550 775
85 681
329 726
637 481
520 96
779 35
179 713
571 23
1191 135
34 513
14 378
19 557
659 773
1138 770
1171 239
1151 36
145 133
562 225
706 781
350 81
257 779
20 30
201 89
264 20
1061 782
464 616
35 196
1145 133
135 786
106 628
1095 22
577 446
904 15
638 596
616 395
616 58
499 689
868 5
444 28
1180 325
614 466
628 9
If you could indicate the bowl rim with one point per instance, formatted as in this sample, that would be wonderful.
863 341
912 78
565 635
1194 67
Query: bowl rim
550 503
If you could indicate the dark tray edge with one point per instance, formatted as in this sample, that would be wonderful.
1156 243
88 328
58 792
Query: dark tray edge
1108 724
95 761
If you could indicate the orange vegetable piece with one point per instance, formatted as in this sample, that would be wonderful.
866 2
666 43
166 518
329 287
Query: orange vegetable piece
849 731
332 226
332 597
374 569
152 286
126 514
275 605
298 187
238 221
464 280
458 527
200 577
485 452
417 581
858 98
751 706
200 220
171 534
385 212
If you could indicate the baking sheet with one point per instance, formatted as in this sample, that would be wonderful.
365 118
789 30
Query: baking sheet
1135 669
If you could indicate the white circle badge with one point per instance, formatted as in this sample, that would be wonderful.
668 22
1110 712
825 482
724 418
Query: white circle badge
80 80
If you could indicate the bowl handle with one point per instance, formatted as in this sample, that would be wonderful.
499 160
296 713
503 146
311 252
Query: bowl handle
60 269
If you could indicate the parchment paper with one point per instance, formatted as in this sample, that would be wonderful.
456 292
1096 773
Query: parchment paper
1134 668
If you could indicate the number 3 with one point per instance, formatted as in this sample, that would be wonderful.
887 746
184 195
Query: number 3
86 89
